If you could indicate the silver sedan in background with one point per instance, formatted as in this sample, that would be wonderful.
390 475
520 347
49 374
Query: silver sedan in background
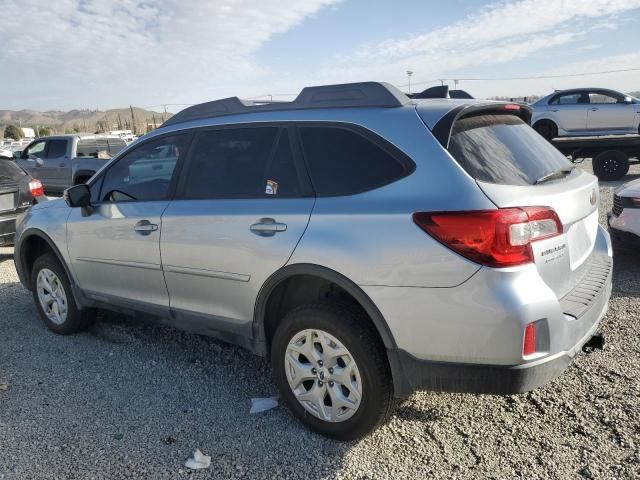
586 111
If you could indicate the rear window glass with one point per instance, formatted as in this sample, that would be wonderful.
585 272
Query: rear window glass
503 149
343 162
10 172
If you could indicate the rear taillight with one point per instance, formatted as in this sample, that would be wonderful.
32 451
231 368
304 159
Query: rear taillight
511 106
36 188
495 238
529 341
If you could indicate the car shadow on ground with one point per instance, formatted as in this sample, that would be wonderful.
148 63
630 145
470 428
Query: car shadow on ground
626 272
5 257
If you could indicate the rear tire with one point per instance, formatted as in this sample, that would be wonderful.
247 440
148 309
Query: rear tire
54 299
326 391
547 129
610 165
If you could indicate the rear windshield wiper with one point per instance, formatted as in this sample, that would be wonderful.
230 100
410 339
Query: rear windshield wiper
561 172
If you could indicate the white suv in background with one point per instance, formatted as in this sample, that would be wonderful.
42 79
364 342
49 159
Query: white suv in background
624 219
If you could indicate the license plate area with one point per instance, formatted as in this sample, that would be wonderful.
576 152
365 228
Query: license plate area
7 202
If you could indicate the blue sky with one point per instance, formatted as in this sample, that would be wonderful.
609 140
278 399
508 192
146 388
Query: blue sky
97 54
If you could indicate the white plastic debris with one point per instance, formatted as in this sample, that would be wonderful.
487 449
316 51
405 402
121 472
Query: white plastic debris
198 461
263 404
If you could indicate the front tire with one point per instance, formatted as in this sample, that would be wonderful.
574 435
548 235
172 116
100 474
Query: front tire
331 370
54 299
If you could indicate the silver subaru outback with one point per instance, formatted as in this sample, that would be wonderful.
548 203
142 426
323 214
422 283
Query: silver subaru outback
369 244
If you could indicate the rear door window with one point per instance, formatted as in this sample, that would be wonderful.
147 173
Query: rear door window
246 162
503 149
342 161
57 148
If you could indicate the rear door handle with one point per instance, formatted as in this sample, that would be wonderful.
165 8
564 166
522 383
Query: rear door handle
594 109
554 109
268 227
63 165
145 227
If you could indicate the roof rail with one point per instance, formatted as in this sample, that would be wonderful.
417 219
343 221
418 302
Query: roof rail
364 94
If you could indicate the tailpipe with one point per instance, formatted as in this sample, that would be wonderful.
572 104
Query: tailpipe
594 343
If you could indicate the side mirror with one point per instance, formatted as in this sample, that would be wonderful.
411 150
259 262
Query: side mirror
78 196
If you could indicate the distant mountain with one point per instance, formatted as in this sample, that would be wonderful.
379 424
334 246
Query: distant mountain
83 120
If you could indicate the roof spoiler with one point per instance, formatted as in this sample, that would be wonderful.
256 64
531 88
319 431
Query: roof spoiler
348 95
444 128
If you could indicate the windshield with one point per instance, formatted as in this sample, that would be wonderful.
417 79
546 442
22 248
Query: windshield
503 149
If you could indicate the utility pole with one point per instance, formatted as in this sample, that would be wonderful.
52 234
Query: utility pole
164 115
133 120
409 73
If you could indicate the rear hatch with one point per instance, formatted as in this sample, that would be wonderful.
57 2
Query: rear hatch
14 188
516 167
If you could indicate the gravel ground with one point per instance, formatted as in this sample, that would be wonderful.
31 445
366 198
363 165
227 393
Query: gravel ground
130 399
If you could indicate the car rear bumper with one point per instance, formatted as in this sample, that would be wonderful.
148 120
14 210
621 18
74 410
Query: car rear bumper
469 338
7 229
412 374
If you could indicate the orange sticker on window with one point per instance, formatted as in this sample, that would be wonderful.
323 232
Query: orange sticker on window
272 187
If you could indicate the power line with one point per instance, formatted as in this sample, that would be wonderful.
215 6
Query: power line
435 80
534 77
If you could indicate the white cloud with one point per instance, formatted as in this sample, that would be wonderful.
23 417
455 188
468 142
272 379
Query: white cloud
497 34
102 53
97 52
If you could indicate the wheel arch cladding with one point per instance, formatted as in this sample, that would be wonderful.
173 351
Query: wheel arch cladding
297 284
33 244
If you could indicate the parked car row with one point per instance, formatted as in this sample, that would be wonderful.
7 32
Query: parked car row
369 244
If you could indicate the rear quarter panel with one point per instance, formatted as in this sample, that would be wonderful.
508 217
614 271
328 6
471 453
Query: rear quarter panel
371 238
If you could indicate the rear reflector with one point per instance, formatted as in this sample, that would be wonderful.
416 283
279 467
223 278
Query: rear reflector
512 107
495 238
36 188
529 343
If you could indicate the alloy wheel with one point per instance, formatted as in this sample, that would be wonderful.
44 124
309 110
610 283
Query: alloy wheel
52 296
323 375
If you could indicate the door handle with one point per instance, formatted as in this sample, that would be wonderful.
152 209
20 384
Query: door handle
267 227
594 109
62 165
554 109
145 227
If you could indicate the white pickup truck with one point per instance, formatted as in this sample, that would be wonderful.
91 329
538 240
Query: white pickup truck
64 160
